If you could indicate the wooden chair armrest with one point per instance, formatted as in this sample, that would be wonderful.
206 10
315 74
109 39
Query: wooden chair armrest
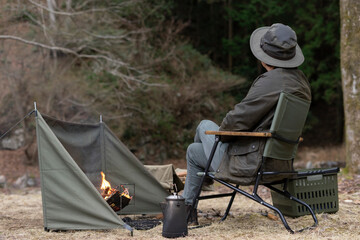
242 134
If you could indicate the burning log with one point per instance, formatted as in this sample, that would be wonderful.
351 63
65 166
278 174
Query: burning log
117 199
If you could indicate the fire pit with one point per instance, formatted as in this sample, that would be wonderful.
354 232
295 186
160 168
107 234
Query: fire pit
117 198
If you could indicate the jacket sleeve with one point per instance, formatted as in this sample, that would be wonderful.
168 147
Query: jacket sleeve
261 98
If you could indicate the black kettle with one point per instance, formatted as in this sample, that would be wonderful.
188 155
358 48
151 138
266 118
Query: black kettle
175 219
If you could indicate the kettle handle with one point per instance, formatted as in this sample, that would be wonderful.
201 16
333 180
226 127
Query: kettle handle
175 188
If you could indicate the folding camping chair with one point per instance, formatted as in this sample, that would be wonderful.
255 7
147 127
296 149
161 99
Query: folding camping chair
281 143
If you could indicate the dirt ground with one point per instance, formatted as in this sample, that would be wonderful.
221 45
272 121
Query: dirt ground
21 211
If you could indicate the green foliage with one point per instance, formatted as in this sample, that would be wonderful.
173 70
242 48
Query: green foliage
319 29
195 61
169 114
317 26
316 23
24 16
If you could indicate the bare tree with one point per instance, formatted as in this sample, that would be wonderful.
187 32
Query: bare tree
52 5
118 58
350 70
81 30
109 42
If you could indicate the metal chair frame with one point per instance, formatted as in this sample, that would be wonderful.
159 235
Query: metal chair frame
254 195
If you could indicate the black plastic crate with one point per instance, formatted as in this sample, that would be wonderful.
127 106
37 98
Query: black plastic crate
320 192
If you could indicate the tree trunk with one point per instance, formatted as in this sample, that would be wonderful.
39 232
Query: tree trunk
52 5
350 73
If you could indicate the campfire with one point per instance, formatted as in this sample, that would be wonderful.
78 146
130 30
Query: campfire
117 198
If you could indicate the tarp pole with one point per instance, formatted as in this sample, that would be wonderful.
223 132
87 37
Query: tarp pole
12 127
35 109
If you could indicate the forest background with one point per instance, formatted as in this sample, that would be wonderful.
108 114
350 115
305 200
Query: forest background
154 68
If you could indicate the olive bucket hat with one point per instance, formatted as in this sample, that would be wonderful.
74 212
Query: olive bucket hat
276 46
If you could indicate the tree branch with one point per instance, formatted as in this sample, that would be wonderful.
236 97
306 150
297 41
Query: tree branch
115 72
76 13
66 50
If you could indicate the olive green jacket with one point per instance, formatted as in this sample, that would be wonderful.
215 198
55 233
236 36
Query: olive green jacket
255 113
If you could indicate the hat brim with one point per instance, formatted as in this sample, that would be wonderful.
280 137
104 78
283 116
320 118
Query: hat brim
255 38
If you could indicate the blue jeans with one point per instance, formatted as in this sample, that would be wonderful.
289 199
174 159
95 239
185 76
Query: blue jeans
197 156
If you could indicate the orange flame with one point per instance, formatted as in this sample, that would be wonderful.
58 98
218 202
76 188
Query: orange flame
125 192
108 190
105 185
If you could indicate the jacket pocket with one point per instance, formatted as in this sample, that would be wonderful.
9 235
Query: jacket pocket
244 158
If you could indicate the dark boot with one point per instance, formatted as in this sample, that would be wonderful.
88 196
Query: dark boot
191 213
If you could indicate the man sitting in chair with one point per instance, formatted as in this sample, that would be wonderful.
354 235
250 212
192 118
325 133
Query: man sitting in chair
277 49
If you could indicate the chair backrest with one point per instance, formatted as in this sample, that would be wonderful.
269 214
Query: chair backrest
288 122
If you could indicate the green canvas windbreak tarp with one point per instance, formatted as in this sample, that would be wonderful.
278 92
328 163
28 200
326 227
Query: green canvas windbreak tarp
71 157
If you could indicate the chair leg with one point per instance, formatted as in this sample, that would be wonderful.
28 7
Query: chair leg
286 225
229 205
286 194
196 199
310 210
262 202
